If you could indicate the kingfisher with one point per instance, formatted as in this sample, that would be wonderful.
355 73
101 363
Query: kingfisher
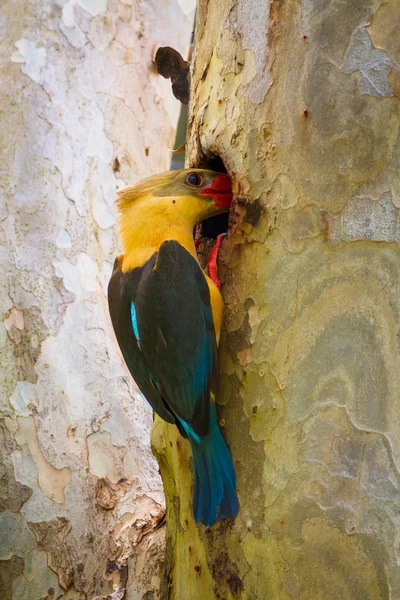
167 315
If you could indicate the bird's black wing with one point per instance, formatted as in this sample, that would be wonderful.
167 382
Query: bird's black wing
176 331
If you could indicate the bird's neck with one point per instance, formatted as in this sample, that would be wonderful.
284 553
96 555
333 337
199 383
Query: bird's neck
143 231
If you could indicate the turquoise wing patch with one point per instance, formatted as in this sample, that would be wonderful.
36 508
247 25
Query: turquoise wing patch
134 322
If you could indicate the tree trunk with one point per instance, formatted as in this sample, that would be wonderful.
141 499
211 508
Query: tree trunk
83 113
301 102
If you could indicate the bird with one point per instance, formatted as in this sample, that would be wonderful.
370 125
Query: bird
167 314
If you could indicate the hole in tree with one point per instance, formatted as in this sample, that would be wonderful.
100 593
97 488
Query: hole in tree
212 227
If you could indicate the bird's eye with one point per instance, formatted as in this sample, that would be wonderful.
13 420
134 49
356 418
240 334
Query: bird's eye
194 180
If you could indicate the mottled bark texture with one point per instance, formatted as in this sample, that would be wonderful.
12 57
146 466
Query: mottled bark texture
300 98
82 114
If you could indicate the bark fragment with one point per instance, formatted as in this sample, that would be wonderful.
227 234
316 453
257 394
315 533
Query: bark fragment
171 65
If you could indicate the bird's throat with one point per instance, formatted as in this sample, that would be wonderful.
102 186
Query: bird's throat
143 234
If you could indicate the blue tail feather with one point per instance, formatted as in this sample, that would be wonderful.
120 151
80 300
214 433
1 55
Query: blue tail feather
214 474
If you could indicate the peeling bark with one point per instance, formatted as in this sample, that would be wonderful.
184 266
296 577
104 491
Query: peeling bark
83 114
301 102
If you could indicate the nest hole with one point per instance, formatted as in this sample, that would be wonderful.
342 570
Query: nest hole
214 226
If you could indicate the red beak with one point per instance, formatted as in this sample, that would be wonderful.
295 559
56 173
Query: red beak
220 190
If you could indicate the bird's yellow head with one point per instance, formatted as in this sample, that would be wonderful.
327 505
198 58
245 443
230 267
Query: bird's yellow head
168 206
189 194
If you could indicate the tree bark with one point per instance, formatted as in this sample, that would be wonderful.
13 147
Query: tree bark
83 114
301 102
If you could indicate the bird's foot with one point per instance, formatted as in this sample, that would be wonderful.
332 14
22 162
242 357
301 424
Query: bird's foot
212 266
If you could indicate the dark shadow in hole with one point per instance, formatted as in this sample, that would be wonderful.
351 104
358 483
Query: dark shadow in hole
212 162
215 164
212 227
